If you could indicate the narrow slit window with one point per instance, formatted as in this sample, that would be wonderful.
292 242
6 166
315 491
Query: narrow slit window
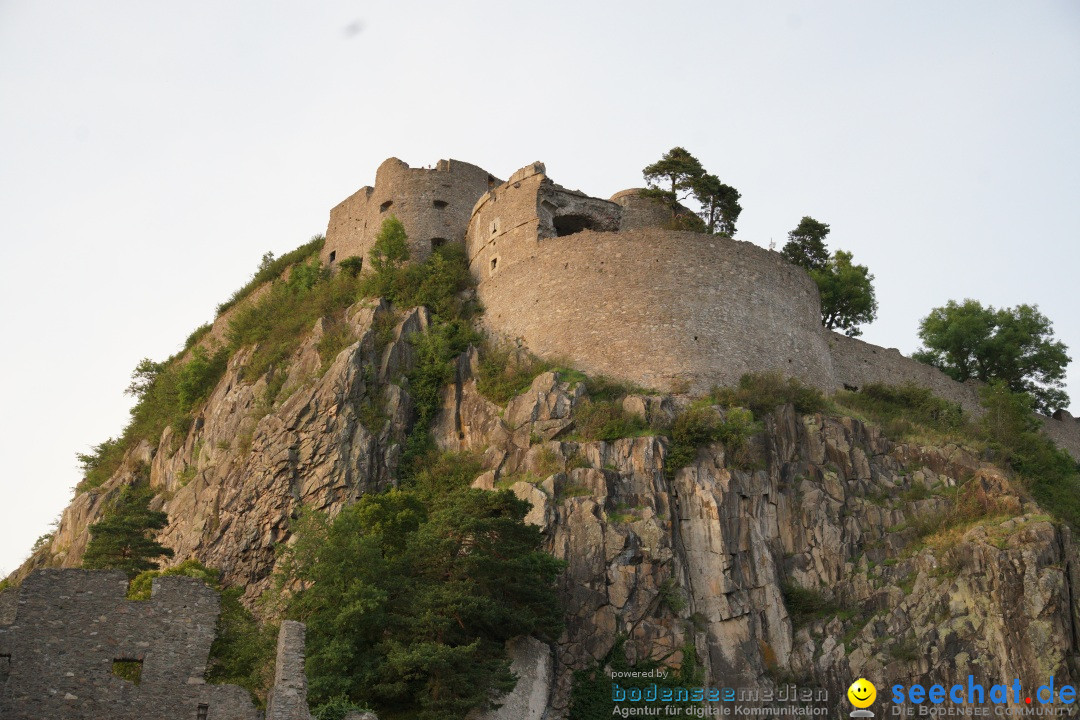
204 711
333 255
494 264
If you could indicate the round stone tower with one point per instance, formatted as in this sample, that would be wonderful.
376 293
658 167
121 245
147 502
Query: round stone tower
605 283
433 205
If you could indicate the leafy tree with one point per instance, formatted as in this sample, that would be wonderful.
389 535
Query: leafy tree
677 169
847 294
391 248
1014 345
720 206
124 537
806 244
410 596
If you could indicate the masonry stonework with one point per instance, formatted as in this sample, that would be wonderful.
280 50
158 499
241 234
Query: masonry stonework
68 628
608 285
433 205
660 308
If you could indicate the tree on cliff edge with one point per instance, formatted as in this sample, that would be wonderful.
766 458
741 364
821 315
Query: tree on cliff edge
847 289
124 537
720 206
1014 345
677 169
806 244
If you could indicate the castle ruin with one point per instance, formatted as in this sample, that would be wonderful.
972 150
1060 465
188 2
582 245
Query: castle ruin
609 284
72 646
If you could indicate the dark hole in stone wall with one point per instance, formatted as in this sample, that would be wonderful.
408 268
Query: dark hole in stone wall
440 203
570 224
5 668
437 242
494 263
204 711
128 669
333 255
386 206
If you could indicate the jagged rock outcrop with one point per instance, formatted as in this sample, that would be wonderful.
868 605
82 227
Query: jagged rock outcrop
708 556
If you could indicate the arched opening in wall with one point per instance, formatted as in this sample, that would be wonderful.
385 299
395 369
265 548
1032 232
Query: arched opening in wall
333 255
203 712
386 206
440 204
437 242
571 224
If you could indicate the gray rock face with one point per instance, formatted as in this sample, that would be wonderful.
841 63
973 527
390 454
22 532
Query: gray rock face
707 557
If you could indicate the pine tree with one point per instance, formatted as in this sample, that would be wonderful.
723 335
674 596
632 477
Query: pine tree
124 537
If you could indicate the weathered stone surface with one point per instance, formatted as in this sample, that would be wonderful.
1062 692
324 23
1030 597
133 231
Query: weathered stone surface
71 625
532 663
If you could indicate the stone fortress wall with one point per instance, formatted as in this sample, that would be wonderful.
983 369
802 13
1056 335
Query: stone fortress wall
663 309
609 285
433 205
62 630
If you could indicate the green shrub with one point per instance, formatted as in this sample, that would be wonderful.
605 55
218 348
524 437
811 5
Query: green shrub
505 373
271 268
701 425
763 392
606 420
900 409
198 377
196 335
805 605
337 709
1012 432
352 265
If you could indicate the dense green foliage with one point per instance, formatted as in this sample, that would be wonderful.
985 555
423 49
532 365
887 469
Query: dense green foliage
805 605
277 322
505 373
243 651
602 419
1013 345
763 392
847 294
271 268
847 290
805 246
900 409
123 538
590 697
410 596
1012 431
678 175
439 283
720 208
166 395
701 425
1008 433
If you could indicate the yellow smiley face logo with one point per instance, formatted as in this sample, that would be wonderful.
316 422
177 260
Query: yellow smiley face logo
862 693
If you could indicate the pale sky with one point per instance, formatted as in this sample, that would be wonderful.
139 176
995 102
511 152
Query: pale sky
150 153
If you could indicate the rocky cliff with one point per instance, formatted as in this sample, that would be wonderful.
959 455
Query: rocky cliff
806 557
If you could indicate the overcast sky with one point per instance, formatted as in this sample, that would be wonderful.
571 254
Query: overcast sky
150 153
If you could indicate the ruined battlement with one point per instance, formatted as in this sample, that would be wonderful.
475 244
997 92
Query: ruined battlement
433 204
72 630
609 284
